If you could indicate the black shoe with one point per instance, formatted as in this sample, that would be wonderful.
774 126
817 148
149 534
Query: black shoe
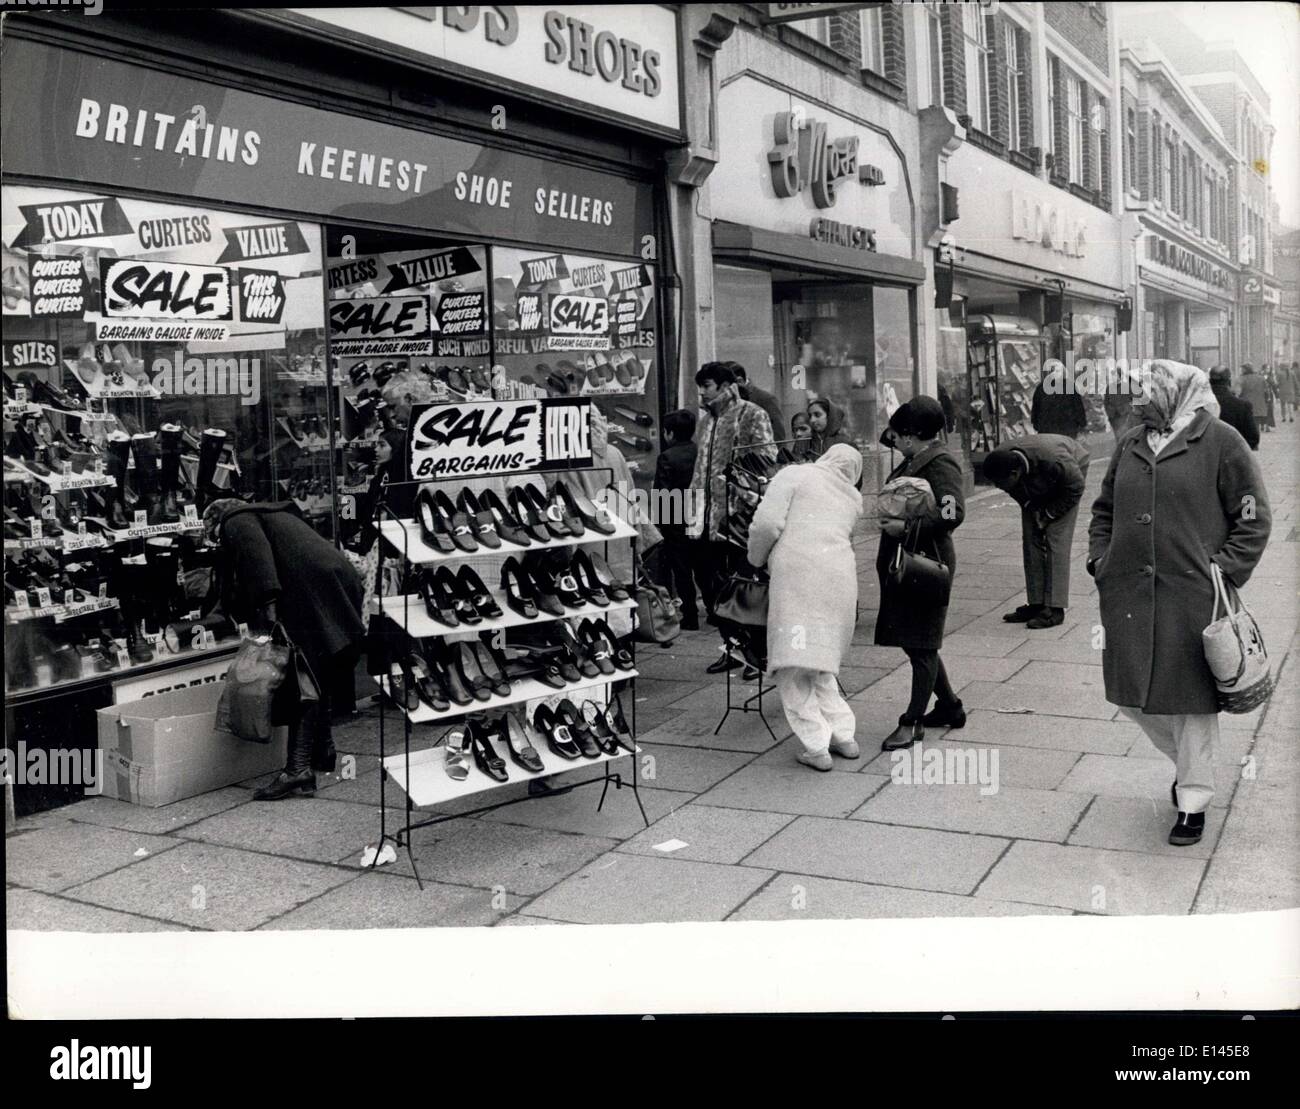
514 737
543 592
725 663
602 730
444 673
581 506
690 623
471 586
750 673
567 588
585 575
481 521
288 785
470 672
507 527
577 647
518 588
531 522
597 649
427 687
462 535
904 735
437 603
550 513
452 587
485 756
1188 829
945 716
571 718
435 530
1023 614
491 667
558 737
324 757
1047 618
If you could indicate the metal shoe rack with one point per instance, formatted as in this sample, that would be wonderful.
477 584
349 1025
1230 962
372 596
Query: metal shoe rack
420 773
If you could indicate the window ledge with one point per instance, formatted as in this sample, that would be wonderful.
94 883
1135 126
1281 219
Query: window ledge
800 43
879 83
986 142
1022 160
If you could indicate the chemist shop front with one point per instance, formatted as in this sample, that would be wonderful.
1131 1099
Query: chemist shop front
280 281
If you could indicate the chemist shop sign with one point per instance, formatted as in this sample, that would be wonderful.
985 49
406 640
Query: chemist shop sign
500 437
73 117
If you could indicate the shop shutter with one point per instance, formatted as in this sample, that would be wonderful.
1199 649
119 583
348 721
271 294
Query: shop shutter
1026 82
995 35
895 51
954 59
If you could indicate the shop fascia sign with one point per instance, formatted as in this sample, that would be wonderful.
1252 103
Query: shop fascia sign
1042 221
803 157
1255 292
1184 261
619 59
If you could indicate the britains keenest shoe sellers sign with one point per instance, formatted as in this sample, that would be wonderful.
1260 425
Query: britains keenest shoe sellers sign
500 437
71 117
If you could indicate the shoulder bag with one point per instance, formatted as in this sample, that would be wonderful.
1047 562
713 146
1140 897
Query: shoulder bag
920 578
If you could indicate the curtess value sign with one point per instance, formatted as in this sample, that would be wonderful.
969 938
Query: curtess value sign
620 60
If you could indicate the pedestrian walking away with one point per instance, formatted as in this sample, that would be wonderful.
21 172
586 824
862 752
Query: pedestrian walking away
1182 491
1059 412
1288 382
902 620
1045 475
806 519
1254 390
1233 411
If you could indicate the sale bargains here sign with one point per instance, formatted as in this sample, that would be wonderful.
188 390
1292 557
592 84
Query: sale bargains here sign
500 437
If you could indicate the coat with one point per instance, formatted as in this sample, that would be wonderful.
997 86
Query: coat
1061 413
818 445
901 622
767 402
731 424
1286 385
270 553
1157 525
674 469
1055 481
804 521
1255 390
1237 413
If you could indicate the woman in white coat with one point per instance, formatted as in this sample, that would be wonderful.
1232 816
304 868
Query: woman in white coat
801 531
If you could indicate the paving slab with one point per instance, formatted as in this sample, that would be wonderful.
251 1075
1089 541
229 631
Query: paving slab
1057 733
1074 653
984 646
621 888
298 827
493 855
806 897
794 789
689 769
576 812
740 732
785 754
1022 767
59 856
1016 813
1256 863
380 900
711 835
527 922
1064 675
208 886
1133 824
859 851
111 813
963 669
1115 776
994 625
30 910
1232 748
1079 703
1092 880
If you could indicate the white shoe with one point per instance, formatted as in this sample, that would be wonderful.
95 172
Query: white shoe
845 748
817 762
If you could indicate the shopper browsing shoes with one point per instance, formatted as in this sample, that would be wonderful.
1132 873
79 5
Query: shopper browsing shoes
1045 475
1182 491
806 520
904 621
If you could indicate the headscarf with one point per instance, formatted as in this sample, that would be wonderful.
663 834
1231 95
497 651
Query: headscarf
213 516
1172 394
834 417
845 462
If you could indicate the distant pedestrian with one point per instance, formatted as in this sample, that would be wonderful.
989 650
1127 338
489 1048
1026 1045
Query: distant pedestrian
1182 491
827 423
1288 384
1118 402
1059 411
673 473
1270 394
902 621
1254 388
761 397
1045 475
1234 411
806 519
801 432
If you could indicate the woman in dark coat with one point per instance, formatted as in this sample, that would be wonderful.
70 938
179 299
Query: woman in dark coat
274 566
827 422
1183 491
902 622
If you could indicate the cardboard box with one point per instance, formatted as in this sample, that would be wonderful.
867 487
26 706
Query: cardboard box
165 748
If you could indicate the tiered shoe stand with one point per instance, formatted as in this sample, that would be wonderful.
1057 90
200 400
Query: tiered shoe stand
753 703
420 773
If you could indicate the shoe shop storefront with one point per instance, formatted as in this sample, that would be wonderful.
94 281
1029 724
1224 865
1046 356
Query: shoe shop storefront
814 270
229 276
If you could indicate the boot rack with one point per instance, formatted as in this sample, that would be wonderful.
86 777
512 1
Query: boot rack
420 774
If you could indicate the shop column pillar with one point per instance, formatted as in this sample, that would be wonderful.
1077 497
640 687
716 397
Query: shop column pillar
1176 331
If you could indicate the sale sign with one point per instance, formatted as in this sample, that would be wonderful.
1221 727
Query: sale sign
381 325
500 437
261 296
142 289
579 322
58 286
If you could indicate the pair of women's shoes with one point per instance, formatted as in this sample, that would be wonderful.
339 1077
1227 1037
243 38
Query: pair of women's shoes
475 737
587 734
563 513
593 648
461 674
586 580
456 598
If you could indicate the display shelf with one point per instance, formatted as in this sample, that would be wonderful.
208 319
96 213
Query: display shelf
522 689
404 536
150 531
66 544
61 612
420 625
66 483
429 784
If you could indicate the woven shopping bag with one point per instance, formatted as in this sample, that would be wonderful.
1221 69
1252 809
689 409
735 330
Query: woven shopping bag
1235 652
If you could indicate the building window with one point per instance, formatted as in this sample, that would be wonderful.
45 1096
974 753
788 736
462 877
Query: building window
934 38
1074 126
977 66
1053 99
873 41
1130 148
1014 78
1167 174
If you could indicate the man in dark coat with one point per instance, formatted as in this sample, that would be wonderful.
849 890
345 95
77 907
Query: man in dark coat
761 397
276 567
1060 411
1183 493
673 471
1234 411
1045 475
903 620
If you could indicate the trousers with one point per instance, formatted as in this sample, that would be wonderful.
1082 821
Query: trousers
1189 740
813 705
928 677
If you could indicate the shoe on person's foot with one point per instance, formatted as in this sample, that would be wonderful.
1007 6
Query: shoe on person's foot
846 748
817 762
287 785
945 716
749 674
726 662
1022 614
1048 618
904 735
1188 829
690 623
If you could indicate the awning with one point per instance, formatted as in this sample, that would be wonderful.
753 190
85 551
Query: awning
736 242
1031 277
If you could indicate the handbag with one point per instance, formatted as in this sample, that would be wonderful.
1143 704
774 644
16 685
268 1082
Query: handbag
743 599
1235 652
917 577
248 691
658 614
298 690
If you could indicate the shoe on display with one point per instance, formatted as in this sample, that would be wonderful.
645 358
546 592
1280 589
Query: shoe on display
485 756
571 718
451 588
455 762
604 577
426 686
507 527
531 522
470 672
601 729
581 506
471 586
518 588
585 575
513 736
462 535
543 593
481 522
557 736
435 530
549 512
490 665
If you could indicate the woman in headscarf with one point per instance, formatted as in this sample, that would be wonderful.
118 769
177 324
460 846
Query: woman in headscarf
1183 491
806 520
827 422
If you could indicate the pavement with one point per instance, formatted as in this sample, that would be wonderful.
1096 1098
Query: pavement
739 830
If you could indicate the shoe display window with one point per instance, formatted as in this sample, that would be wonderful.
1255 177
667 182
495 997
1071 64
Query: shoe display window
155 357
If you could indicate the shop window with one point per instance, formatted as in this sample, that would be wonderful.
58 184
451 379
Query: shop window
976 48
743 319
175 357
